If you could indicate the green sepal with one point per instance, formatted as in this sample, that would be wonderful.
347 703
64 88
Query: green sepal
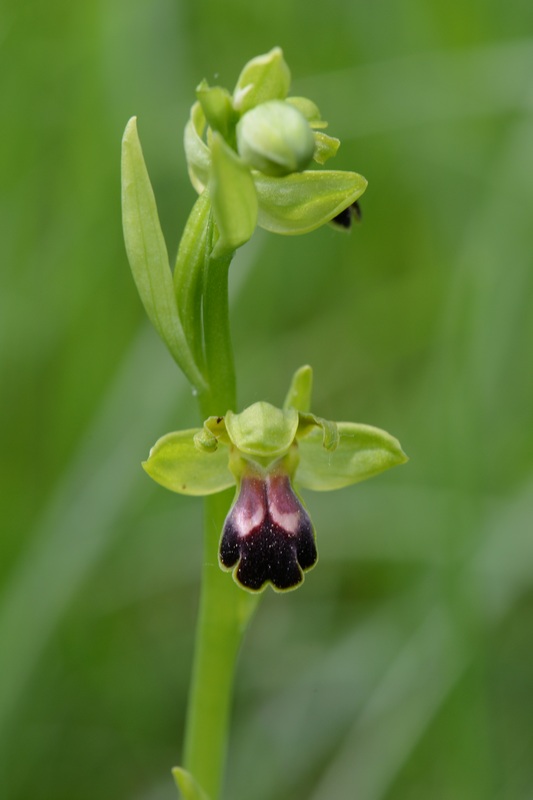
362 451
233 196
218 108
262 430
299 394
309 110
266 77
301 202
196 151
188 272
190 789
178 464
147 254
325 147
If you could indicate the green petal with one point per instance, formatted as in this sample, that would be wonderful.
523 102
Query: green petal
233 196
325 147
177 464
266 77
299 394
330 430
301 202
362 451
196 150
262 430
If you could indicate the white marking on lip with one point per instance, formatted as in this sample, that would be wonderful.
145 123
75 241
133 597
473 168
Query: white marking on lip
288 521
249 511
247 521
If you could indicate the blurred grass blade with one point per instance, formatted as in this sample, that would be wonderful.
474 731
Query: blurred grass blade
397 713
147 254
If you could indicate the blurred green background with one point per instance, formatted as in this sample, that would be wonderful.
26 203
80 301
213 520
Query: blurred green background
403 669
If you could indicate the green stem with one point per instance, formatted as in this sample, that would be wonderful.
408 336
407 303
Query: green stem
225 609
224 613
221 393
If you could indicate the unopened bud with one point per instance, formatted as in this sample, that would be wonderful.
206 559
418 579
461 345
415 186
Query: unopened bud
275 138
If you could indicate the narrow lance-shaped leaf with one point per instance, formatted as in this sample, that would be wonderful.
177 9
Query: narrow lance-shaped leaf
188 786
362 451
302 202
147 253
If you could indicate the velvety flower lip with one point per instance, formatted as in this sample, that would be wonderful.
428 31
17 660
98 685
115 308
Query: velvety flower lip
268 536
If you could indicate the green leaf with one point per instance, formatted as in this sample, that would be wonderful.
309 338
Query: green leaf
147 254
262 430
301 202
196 151
178 464
217 107
189 788
266 77
233 196
325 147
362 451
299 394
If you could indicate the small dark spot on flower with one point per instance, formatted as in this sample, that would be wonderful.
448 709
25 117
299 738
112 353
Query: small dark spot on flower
219 420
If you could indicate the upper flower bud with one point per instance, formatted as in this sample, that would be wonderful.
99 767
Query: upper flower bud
251 150
275 138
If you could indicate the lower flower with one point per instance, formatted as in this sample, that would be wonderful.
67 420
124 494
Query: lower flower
268 537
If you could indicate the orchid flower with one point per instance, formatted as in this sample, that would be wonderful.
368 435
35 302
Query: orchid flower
268 453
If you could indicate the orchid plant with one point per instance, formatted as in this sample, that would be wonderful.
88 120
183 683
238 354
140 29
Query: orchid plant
249 155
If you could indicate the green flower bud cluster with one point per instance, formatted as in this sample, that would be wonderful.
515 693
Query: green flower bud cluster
252 150
249 154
